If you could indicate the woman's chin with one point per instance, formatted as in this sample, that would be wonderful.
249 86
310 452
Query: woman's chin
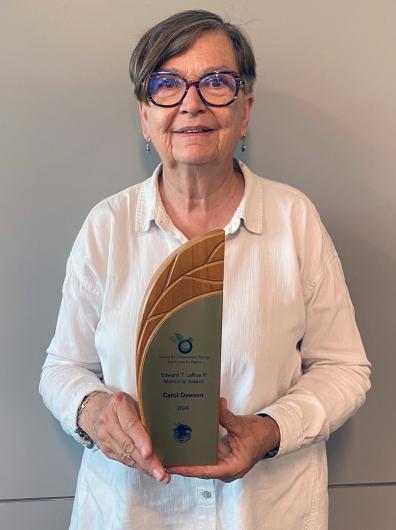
195 156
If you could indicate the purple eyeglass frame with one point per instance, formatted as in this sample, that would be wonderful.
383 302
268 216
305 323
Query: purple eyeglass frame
238 84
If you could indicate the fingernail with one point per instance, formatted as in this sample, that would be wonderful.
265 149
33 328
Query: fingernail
158 474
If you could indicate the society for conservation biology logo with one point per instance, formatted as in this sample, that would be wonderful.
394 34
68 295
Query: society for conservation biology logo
184 345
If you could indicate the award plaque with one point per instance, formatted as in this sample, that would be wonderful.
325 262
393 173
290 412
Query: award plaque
178 353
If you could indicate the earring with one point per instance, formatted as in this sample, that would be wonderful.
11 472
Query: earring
148 140
243 147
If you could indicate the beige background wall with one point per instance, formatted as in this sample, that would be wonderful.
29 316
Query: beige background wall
325 122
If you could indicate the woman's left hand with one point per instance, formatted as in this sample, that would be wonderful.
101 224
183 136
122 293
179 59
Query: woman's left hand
247 440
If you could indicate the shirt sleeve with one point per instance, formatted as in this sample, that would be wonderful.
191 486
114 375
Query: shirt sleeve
335 369
72 368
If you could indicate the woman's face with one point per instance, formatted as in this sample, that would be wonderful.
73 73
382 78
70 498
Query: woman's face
212 51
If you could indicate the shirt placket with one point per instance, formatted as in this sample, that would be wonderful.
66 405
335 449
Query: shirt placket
206 504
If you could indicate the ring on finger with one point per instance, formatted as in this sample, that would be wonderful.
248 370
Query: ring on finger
128 459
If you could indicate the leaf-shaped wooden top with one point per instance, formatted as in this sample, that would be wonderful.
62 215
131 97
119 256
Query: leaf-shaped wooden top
193 271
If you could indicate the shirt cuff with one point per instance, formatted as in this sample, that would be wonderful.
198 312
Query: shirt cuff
290 427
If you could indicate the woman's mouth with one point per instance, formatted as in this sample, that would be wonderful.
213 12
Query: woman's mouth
194 131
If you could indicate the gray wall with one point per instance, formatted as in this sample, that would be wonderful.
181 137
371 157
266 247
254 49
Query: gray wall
325 122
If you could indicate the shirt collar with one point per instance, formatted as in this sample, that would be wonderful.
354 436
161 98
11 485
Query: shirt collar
250 210
149 204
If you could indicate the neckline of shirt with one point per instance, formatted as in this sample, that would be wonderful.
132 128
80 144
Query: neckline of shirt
150 208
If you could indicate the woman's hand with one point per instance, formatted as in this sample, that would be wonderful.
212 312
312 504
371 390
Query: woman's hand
248 439
113 423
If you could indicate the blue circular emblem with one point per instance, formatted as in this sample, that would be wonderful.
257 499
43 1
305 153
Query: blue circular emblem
182 433
185 346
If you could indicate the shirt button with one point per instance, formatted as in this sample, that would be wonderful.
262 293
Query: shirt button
206 494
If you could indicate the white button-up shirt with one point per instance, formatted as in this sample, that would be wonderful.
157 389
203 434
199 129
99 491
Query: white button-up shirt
290 348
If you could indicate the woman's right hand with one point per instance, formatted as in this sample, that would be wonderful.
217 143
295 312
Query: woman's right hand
113 423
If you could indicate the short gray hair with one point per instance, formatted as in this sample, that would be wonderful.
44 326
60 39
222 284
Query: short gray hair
174 35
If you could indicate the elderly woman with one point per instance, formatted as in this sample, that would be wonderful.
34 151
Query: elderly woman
293 365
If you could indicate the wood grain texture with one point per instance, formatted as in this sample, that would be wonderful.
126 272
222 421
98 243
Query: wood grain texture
194 270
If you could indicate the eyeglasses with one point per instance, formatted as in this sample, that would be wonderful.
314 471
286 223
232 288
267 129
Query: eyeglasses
216 89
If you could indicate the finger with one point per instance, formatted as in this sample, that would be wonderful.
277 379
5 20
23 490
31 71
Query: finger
119 439
129 419
134 430
227 419
223 402
116 444
128 460
131 457
125 459
125 450
154 467
124 446
113 441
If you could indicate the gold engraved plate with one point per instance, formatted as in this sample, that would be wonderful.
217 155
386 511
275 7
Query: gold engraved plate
178 355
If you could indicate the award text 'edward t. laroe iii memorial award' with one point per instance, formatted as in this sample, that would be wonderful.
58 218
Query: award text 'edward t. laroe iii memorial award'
178 353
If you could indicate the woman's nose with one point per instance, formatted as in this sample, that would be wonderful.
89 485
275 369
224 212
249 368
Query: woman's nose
192 103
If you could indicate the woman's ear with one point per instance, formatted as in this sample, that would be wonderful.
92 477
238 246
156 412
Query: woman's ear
247 110
143 108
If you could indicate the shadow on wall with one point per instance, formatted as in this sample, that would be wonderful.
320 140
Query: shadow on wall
350 180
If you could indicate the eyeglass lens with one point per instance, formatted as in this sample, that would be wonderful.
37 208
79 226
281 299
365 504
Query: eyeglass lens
216 89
